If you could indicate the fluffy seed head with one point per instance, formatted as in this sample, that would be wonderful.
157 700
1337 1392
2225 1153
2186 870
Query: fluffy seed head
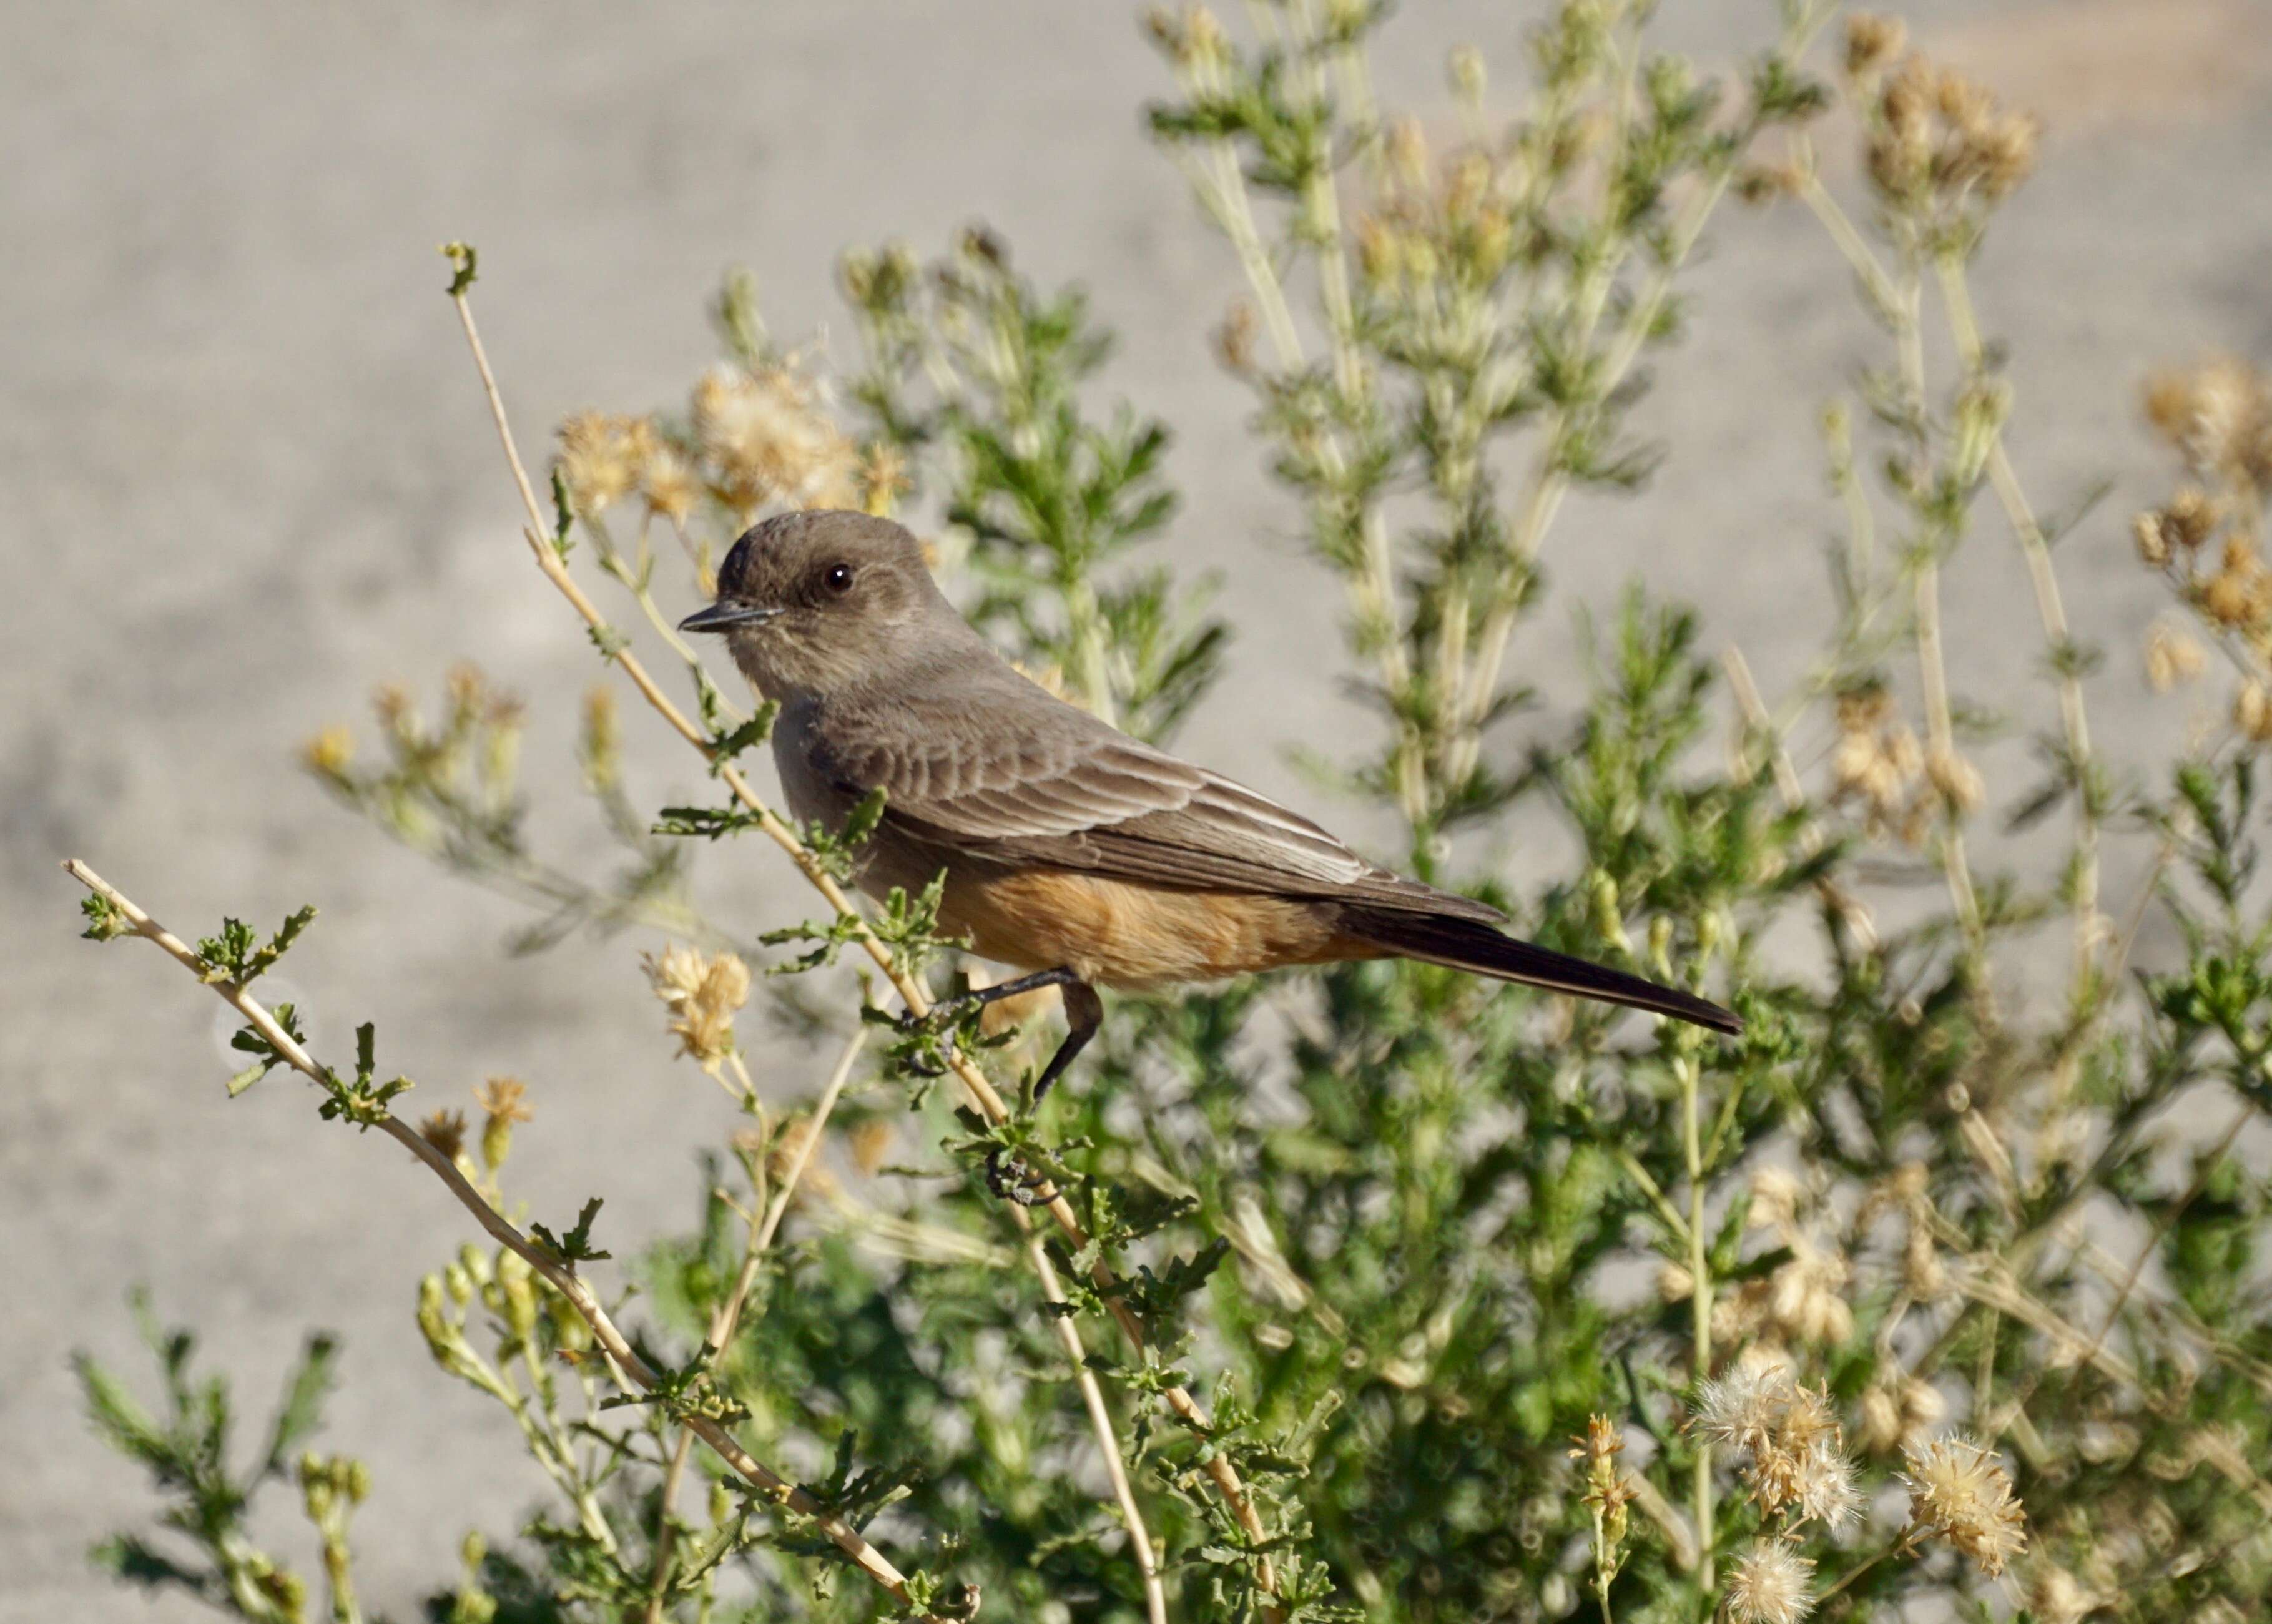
702 995
1770 1583
1958 1490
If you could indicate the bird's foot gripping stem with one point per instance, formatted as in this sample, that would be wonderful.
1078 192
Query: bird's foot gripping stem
1010 1179
1083 1012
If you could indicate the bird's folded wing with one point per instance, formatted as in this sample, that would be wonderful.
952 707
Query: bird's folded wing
1083 796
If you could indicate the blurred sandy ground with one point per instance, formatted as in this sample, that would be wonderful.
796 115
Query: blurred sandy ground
248 475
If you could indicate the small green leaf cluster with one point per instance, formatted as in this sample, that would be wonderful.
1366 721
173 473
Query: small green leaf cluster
213 1555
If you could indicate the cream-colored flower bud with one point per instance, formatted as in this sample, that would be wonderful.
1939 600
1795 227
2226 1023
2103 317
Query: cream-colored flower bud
517 1293
1873 41
1881 1421
1958 780
1674 1284
1776 1195
2251 711
2171 658
1408 152
2153 542
1465 70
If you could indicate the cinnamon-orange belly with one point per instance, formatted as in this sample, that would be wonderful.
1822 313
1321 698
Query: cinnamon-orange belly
1114 933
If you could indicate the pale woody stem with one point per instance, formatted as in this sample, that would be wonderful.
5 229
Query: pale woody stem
1940 731
729 1316
2051 608
1372 587
1933 668
1903 302
1548 483
982 1094
1700 1276
634 1370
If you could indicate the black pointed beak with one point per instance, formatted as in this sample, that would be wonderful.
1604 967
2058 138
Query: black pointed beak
724 617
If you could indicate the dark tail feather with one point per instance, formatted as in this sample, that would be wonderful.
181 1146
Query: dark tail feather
1468 945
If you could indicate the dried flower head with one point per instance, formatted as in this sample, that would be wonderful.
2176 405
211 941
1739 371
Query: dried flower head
445 1131
2251 711
599 748
1793 1449
702 996
1958 1490
1465 73
666 478
1234 339
1873 41
1776 1196
395 709
2238 595
2217 415
599 459
1804 1455
884 478
1743 1408
1805 1301
1201 40
1770 1583
2190 519
329 753
1901 1415
2057 1597
504 1099
870 1141
1765 182
1826 1491
1607 1493
2171 658
1937 138
1957 780
2153 542
765 438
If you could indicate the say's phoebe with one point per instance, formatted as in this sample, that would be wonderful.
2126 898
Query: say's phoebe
1071 850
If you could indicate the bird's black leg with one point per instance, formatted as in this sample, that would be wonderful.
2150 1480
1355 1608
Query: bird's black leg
1084 1013
978 998
1010 1179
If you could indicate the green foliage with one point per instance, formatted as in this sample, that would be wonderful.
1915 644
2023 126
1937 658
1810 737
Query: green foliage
575 1246
974 377
237 954
449 790
209 1552
362 1100
104 922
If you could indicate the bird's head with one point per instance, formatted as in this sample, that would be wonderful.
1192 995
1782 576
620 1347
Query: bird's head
814 603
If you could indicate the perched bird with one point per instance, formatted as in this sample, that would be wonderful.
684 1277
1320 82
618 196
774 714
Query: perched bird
1072 852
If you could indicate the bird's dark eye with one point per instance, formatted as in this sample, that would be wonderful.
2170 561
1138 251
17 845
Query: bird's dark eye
838 578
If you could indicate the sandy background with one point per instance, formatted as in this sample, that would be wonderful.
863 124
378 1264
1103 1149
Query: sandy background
250 476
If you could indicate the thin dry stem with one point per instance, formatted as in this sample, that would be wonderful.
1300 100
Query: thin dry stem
1699 1279
983 1095
1550 483
729 1317
2074 722
1793 792
1100 1420
634 1370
